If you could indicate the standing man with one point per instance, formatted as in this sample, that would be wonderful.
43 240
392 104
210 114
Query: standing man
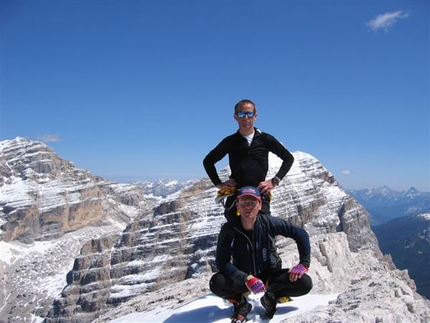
248 151
245 262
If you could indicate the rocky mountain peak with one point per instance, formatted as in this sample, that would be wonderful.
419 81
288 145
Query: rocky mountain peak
44 196
32 160
129 253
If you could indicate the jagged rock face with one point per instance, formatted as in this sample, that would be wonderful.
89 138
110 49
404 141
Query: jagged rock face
178 239
370 290
165 255
309 196
44 196
94 254
48 209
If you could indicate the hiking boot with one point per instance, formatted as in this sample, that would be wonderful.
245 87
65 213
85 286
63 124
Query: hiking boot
240 311
269 303
284 299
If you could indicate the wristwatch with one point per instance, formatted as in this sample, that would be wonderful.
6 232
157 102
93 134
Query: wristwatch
275 181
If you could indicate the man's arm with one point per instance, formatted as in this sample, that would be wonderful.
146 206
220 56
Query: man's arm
302 239
279 150
214 156
275 147
279 226
209 165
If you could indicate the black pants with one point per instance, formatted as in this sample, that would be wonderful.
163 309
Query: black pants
276 281
230 211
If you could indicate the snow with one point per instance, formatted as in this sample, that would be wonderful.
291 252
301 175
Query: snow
11 251
425 216
7 252
15 192
212 309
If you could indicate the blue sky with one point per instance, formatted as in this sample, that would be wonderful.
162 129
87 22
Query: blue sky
141 90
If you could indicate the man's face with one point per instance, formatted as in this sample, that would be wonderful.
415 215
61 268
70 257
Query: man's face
246 122
248 207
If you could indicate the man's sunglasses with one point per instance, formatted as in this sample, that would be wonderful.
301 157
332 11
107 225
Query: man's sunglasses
242 114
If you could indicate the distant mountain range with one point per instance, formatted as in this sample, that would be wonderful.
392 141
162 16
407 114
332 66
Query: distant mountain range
385 204
401 222
163 188
407 240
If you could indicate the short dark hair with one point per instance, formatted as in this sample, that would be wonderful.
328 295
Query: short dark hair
236 107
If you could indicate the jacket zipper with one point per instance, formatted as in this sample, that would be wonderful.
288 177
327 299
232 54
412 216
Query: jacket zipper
252 249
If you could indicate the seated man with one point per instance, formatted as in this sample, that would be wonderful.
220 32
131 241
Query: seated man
245 262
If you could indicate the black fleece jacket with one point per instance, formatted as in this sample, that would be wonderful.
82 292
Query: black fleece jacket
248 164
241 253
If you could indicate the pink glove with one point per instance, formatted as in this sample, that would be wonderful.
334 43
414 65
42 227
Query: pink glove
297 272
254 284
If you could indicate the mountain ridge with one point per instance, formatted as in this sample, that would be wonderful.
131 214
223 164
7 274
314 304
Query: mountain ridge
407 240
385 204
159 251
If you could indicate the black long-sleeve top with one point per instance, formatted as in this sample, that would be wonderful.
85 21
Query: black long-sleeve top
241 253
248 164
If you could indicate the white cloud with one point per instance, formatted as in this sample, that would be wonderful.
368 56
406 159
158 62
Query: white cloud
346 172
386 20
50 138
